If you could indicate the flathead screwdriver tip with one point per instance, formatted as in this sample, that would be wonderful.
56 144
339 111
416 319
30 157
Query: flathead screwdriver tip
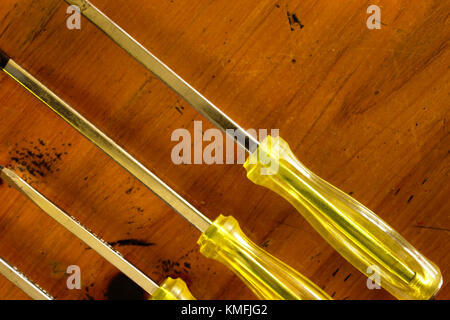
4 58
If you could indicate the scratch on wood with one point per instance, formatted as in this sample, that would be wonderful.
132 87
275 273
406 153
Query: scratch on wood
44 21
432 228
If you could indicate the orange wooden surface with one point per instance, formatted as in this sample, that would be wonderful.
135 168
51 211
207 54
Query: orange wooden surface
367 110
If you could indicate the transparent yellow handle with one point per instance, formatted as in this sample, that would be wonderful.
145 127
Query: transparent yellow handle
173 289
354 231
265 275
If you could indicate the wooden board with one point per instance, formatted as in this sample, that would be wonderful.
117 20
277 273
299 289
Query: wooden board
368 110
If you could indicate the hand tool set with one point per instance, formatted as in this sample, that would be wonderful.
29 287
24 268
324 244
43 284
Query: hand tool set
354 231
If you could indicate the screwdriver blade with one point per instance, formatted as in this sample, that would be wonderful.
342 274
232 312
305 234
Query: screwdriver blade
68 222
22 282
166 75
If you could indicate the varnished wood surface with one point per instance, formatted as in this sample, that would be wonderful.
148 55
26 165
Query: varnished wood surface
368 110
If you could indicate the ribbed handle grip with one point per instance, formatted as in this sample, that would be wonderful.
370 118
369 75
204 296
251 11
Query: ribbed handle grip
265 275
354 231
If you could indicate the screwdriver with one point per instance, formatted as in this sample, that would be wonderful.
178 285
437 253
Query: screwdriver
222 240
357 233
22 282
171 289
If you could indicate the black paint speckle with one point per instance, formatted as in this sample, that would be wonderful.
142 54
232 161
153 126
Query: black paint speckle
131 242
179 110
335 272
35 159
176 269
128 191
294 20
297 21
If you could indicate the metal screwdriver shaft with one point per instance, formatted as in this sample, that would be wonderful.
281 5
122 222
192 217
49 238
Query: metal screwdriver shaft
165 74
79 231
170 289
111 148
22 282
222 240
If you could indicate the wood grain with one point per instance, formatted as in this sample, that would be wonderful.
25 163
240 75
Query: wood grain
367 110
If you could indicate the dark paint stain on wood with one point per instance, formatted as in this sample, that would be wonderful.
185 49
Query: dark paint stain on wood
138 209
176 269
297 21
128 191
410 198
315 256
123 288
335 272
88 295
169 266
294 20
346 278
265 244
36 159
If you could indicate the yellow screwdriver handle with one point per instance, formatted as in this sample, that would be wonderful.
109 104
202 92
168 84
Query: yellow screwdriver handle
173 289
265 275
354 231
